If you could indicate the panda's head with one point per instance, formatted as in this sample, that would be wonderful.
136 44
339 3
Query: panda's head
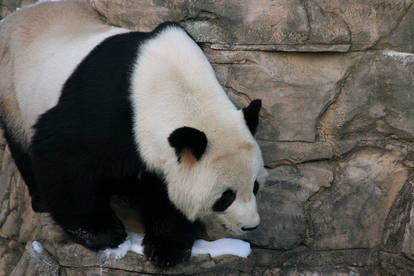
218 172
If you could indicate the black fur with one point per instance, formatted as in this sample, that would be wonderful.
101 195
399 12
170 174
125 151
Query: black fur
23 163
188 138
251 115
255 187
224 201
169 234
84 152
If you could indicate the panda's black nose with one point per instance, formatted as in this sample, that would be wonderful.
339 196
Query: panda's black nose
249 228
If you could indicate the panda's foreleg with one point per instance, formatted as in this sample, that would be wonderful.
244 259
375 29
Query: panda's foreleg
169 235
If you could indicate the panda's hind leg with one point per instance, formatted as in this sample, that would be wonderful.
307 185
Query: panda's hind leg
95 231
79 201
23 163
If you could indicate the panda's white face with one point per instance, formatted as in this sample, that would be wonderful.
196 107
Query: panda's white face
233 202
221 188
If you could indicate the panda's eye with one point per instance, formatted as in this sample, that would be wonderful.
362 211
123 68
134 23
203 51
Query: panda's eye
255 187
224 201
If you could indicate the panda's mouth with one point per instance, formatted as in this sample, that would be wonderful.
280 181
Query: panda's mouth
231 231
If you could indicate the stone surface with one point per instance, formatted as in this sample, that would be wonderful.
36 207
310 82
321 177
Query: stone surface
34 263
367 20
402 38
283 221
406 243
336 131
308 26
393 264
399 224
352 213
375 102
10 253
8 6
294 152
297 87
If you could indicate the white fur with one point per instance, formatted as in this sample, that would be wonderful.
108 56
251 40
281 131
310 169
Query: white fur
41 58
173 86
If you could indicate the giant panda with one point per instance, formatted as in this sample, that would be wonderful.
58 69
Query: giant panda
91 110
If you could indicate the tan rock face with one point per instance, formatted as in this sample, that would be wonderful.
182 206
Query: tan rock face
336 131
353 212
8 6
287 25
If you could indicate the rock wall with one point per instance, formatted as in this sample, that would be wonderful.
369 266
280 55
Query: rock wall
337 133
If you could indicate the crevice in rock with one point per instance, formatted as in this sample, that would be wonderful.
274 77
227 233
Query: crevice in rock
325 131
398 217
391 32
307 210
306 7
397 254
327 125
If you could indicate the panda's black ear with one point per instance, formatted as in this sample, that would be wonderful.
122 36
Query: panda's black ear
188 140
251 115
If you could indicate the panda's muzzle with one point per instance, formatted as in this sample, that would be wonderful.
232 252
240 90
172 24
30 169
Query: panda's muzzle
249 228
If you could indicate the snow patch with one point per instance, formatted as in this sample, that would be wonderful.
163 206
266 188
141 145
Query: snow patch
219 247
37 246
400 56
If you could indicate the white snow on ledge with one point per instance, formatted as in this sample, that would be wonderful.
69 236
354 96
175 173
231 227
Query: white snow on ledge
214 248
37 246
400 56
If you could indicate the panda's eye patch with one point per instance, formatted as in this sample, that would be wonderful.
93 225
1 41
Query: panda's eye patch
224 201
255 187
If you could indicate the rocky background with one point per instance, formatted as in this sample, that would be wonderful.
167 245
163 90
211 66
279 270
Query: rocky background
337 134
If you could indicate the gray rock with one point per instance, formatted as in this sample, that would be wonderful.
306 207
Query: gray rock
10 254
375 101
295 88
308 26
393 264
401 39
407 240
276 153
367 20
399 224
35 261
9 6
352 213
283 220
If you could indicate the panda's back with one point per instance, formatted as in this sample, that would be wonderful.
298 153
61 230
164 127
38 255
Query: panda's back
44 43
174 85
151 82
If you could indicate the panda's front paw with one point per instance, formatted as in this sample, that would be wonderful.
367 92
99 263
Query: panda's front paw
165 253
